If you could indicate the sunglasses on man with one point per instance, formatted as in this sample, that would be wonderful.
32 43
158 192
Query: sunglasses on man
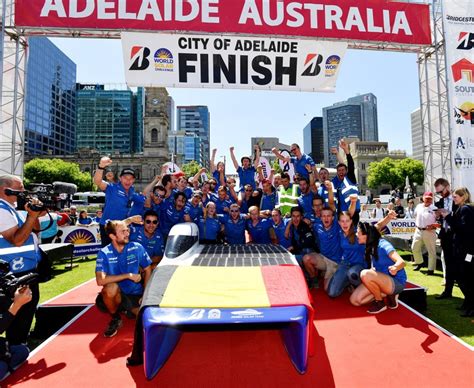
154 222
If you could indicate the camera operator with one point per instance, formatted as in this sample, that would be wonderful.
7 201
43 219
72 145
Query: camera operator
19 247
11 356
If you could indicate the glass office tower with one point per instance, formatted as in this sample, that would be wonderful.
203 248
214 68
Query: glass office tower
50 115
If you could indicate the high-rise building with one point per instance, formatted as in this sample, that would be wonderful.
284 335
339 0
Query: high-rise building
416 135
196 120
356 118
171 108
50 100
313 139
108 119
183 146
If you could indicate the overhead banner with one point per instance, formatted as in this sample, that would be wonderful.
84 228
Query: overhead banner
209 61
459 41
364 20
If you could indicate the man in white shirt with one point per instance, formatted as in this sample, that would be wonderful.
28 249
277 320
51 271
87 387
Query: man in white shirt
378 212
425 233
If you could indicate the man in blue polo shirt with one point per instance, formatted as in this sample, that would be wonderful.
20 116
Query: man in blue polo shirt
299 160
119 196
247 171
174 213
279 225
326 231
193 210
119 270
149 236
234 225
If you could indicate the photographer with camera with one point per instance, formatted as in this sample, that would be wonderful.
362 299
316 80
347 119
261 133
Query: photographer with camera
11 356
19 247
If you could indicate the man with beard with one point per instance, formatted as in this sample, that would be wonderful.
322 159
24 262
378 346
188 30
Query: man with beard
173 214
119 269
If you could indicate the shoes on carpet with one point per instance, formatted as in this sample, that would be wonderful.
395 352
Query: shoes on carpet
377 306
392 301
114 325
430 272
417 267
443 295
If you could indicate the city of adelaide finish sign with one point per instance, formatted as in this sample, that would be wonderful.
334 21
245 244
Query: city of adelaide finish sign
363 20
238 62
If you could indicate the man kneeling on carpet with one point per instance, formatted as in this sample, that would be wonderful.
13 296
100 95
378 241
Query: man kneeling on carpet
386 276
119 270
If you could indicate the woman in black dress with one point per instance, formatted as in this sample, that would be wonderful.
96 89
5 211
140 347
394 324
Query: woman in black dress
462 224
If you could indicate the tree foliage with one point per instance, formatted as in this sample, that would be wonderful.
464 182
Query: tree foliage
276 166
191 168
51 170
394 172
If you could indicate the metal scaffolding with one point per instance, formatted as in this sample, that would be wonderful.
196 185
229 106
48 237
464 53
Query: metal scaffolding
12 83
436 136
432 82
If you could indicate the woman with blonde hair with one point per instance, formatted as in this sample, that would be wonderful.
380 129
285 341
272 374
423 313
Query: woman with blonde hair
462 224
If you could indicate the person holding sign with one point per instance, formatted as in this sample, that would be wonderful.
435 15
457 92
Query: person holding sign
299 160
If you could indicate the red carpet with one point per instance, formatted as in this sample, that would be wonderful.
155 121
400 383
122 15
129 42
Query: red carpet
352 349
82 295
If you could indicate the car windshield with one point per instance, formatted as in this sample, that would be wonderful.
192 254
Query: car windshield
177 245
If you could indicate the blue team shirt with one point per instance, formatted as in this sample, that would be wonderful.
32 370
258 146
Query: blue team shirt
247 177
208 228
352 253
170 217
300 164
117 202
384 261
221 205
306 202
138 205
329 240
269 201
261 232
195 212
154 246
280 232
83 221
129 260
234 231
211 197
216 176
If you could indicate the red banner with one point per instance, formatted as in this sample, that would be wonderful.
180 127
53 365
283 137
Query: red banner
365 20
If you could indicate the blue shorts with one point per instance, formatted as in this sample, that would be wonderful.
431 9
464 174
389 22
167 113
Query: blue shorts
397 287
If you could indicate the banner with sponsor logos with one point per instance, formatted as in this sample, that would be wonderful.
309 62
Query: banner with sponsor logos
208 61
86 239
401 228
366 20
459 41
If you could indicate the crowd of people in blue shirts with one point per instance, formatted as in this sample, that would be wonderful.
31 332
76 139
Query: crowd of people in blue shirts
312 216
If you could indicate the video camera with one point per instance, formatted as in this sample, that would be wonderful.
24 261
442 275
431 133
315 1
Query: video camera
9 283
48 194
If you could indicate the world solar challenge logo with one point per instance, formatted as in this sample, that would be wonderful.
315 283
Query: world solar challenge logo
332 63
79 237
164 60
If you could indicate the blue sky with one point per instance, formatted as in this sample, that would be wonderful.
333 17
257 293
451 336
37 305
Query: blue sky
238 115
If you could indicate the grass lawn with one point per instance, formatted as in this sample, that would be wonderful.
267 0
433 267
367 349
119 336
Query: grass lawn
442 311
64 278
